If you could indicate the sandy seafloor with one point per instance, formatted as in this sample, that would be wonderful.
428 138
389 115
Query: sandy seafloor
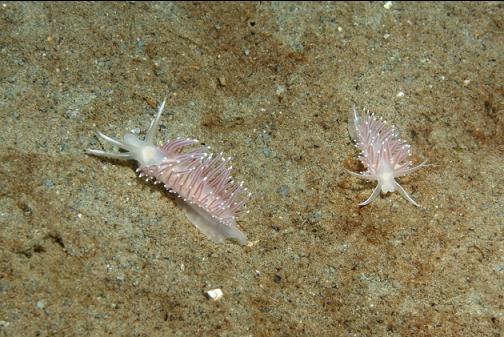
88 249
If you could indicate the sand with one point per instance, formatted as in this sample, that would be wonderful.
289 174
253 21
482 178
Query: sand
89 249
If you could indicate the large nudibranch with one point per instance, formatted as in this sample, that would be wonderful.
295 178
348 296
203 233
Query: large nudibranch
212 199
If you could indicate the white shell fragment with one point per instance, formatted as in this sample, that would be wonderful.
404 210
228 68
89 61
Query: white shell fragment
215 294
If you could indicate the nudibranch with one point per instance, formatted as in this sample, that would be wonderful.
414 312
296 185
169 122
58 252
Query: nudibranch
212 199
384 155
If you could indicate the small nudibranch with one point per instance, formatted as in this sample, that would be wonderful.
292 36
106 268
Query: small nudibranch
384 155
211 198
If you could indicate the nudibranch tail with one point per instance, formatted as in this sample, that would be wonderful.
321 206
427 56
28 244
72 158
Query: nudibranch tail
353 122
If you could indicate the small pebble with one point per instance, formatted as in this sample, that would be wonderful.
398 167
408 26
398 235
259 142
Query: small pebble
48 183
215 294
280 90
315 217
283 190
72 114
266 151
41 304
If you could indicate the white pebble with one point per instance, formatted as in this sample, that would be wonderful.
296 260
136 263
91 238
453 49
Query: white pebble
215 294
387 5
41 304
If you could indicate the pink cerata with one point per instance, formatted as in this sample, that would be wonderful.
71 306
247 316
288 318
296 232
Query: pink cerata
211 198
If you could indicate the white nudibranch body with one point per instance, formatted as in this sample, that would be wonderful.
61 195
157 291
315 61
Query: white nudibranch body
384 155
385 176
211 198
